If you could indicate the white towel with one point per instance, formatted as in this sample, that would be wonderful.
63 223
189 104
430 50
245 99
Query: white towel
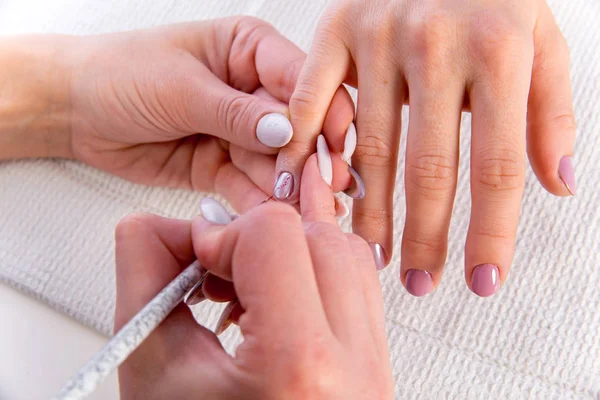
537 338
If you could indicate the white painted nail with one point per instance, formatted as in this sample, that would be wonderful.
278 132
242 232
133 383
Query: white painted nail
349 142
214 212
324 160
341 210
274 130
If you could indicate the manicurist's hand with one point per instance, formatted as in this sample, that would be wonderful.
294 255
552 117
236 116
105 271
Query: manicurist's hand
308 303
504 61
198 105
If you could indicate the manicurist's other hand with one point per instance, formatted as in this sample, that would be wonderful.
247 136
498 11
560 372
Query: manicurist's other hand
198 105
305 295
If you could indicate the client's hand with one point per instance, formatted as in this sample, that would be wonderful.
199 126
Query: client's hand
309 298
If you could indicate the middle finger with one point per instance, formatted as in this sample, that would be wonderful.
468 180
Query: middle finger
436 98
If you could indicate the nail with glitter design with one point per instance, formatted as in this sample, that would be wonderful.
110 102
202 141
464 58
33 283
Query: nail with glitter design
566 172
349 142
214 212
324 160
378 255
225 320
357 186
284 186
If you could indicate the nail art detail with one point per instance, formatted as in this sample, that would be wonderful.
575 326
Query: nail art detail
214 212
196 295
341 210
566 172
485 280
324 160
378 255
225 319
274 130
418 282
357 187
284 186
349 142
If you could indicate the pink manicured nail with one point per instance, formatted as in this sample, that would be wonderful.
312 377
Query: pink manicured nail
284 186
418 282
566 172
485 280
378 255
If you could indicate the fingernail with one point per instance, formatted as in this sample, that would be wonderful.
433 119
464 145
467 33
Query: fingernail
566 172
274 130
349 142
418 282
485 280
324 160
284 186
357 187
341 210
196 295
378 255
214 212
225 319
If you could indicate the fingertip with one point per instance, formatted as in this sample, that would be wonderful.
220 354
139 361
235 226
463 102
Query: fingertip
316 197
485 280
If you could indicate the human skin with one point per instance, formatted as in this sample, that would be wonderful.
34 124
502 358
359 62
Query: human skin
311 310
504 61
178 105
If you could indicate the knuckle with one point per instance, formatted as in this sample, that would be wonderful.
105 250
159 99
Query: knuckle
303 99
289 77
500 171
430 43
328 235
564 122
251 24
374 150
132 225
372 216
232 112
309 377
498 42
416 244
248 31
497 229
432 172
333 25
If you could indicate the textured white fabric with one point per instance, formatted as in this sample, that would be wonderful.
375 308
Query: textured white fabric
537 338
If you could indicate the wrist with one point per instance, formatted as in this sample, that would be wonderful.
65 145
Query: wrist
34 97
